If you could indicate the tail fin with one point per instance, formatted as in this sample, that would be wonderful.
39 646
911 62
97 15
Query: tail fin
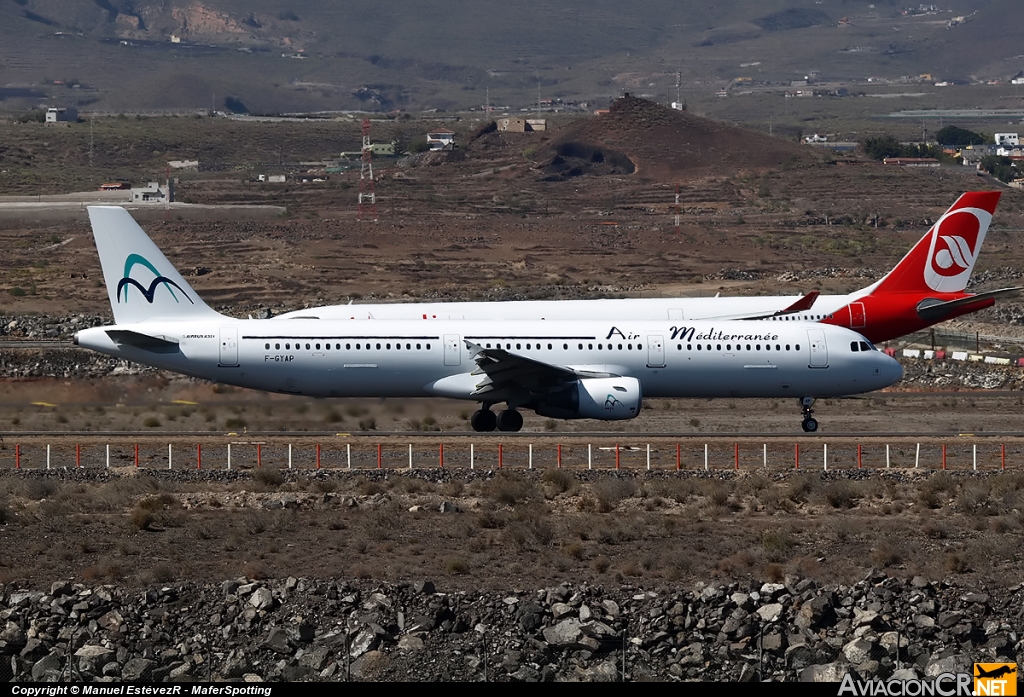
942 261
141 283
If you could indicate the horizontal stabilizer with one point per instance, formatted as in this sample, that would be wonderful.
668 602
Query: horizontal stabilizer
936 310
156 344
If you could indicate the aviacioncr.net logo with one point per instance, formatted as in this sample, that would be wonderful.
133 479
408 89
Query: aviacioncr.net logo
955 244
158 280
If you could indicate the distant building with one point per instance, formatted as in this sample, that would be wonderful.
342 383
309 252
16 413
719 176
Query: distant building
115 186
58 114
151 193
1006 139
441 139
184 164
911 161
514 124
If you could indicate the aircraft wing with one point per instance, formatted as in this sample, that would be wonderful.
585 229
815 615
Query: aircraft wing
505 373
935 310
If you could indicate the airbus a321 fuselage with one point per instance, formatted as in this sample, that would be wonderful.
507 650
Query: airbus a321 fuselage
566 369
926 287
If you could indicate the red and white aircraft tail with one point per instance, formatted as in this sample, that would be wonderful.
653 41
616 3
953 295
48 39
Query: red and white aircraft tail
928 284
942 261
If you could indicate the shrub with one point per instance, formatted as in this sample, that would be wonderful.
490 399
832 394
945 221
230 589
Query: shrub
509 489
559 481
268 476
456 566
142 517
610 492
151 422
777 544
601 564
842 494
955 564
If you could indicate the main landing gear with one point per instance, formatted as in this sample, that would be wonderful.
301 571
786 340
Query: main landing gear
810 424
485 420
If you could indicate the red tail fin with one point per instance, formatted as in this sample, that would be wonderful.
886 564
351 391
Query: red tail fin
942 261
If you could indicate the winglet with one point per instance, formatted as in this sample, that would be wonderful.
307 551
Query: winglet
802 305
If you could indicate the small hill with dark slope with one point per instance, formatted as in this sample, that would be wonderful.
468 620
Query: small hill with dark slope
656 142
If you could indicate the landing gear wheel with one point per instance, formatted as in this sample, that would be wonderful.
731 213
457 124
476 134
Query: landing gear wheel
810 424
483 420
510 420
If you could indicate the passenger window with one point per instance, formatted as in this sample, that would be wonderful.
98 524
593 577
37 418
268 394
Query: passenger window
718 347
378 347
787 347
418 346
748 347
798 347
698 347
277 346
620 347
268 347
428 347
590 347
600 346
288 347
348 347
318 347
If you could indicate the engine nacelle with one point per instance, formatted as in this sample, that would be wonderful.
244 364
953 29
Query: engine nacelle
607 399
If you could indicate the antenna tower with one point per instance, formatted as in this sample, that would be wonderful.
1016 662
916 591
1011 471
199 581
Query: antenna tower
677 210
367 196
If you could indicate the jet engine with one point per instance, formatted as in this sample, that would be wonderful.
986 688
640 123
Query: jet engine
608 399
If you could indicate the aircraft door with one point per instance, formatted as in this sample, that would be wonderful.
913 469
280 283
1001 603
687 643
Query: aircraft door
857 315
819 350
452 354
655 352
228 346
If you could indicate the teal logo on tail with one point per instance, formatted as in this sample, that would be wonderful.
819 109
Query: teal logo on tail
147 293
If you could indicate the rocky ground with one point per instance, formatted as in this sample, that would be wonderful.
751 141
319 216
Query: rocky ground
312 629
536 576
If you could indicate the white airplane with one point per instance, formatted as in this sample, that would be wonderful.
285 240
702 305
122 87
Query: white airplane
568 369
926 287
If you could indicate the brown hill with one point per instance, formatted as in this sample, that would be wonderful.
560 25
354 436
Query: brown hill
660 143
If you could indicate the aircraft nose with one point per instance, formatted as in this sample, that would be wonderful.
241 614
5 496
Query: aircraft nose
890 371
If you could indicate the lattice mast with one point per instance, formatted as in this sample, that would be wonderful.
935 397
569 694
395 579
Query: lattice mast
367 195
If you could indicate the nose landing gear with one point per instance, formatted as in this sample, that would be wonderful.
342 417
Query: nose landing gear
810 424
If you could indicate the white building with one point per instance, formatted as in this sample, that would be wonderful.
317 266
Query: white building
151 193
1006 139
57 114
441 139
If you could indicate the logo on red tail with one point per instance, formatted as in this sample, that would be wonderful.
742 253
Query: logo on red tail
956 242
